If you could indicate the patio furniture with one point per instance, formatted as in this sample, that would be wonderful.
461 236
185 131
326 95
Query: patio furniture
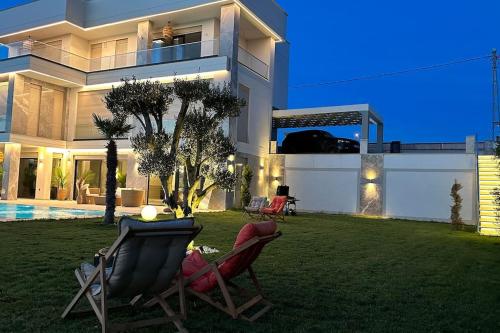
276 209
90 194
253 209
292 201
100 200
202 278
147 258
132 197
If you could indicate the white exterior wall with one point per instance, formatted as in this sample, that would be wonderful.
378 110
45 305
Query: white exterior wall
415 186
259 111
418 186
324 183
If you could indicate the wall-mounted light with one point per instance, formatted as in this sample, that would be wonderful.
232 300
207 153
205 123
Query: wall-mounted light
231 158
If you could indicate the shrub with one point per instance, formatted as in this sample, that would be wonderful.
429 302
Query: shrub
456 219
246 180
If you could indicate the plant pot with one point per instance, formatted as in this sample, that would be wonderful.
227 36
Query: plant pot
62 194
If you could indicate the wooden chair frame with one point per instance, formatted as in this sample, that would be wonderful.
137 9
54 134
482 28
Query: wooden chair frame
252 214
101 310
229 288
274 217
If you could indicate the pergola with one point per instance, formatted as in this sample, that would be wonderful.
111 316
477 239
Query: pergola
347 115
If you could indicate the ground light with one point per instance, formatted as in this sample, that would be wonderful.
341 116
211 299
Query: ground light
149 213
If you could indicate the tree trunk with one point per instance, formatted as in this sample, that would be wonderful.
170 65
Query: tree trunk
111 163
167 182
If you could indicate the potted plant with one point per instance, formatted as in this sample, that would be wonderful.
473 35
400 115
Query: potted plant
82 185
121 179
61 180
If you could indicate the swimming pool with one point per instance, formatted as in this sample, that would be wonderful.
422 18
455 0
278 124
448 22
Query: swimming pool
12 212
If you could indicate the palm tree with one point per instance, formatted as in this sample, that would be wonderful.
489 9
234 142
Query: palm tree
113 128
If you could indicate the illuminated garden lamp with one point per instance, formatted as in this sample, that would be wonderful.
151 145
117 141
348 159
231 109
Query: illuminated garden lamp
149 213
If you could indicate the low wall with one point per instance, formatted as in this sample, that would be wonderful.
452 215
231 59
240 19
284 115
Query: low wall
410 186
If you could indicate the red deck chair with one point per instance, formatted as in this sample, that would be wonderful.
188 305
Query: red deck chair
201 278
276 209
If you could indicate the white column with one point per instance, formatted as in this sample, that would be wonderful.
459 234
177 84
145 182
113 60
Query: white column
229 39
68 168
210 32
134 179
10 180
144 40
470 144
380 138
365 133
43 174
229 46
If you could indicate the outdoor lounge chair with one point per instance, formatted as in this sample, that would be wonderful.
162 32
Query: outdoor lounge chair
253 208
276 209
202 278
145 258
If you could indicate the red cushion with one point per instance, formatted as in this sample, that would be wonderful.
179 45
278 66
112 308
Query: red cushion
192 264
268 210
276 206
233 266
240 262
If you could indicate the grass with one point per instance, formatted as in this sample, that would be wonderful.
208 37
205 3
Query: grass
326 274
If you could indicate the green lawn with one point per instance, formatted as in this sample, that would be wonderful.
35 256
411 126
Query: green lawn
326 274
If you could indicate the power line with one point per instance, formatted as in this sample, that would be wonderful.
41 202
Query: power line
389 74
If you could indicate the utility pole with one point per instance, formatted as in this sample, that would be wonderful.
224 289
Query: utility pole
496 100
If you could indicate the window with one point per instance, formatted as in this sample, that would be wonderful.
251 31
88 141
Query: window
121 50
95 57
4 92
39 111
90 102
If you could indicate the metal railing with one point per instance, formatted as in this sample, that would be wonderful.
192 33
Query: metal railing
253 63
157 55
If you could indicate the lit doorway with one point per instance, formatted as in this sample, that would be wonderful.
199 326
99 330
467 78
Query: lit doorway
27 178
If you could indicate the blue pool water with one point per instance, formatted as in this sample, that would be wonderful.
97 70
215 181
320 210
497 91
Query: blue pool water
10 212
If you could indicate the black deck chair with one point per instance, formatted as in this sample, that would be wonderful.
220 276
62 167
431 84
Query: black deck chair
146 259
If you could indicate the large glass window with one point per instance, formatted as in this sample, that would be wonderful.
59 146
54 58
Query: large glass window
4 92
90 102
95 57
39 111
27 178
121 55
51 114
92 171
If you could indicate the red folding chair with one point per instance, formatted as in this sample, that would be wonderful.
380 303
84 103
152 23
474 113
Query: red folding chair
276 209
203 278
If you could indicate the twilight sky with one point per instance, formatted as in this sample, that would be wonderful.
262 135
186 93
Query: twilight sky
336 40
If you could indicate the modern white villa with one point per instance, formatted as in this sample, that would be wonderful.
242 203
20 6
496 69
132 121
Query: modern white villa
60 57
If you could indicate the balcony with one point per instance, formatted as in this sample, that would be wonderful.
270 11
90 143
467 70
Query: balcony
253 63
160 55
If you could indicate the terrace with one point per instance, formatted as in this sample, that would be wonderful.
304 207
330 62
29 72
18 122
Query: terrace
153 56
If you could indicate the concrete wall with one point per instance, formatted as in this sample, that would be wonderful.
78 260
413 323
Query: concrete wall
418 186
259 113
281 71
323 183
412 186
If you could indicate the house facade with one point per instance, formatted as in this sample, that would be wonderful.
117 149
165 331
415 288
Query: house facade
59 58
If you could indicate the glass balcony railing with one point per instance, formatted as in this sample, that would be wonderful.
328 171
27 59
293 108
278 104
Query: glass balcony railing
157 55
253 63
